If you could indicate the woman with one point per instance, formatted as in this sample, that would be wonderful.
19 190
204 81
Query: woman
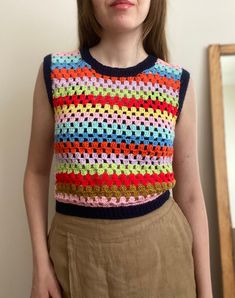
110 111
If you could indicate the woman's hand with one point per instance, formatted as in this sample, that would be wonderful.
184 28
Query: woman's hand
45 283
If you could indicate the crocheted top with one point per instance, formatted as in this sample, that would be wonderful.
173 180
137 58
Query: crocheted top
113 134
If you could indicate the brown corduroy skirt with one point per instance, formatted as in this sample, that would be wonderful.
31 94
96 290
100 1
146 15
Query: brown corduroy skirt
148 256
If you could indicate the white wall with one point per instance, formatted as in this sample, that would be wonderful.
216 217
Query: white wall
31 29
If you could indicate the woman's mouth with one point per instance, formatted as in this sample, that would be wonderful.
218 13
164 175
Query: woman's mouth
121 4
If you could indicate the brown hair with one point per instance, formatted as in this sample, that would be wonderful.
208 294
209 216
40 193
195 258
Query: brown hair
154 35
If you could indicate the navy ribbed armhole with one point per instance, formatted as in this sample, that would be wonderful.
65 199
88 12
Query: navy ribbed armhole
185 76
47 76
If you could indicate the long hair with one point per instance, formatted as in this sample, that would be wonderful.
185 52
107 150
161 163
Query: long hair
154 33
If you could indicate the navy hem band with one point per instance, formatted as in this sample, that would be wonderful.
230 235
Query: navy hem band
112 212
148 62
183 88
47 76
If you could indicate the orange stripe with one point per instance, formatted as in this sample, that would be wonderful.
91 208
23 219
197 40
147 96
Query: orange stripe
101 147
85 71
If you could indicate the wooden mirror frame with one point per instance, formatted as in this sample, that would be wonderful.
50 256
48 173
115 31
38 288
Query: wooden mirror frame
215 51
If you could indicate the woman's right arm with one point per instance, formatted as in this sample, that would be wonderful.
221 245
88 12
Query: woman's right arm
36 186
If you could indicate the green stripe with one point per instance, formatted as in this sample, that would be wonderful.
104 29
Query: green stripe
115 169
72 90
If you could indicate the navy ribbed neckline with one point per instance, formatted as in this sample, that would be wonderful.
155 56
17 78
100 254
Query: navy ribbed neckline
148 62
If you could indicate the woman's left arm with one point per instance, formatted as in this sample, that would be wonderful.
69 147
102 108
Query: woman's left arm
188 191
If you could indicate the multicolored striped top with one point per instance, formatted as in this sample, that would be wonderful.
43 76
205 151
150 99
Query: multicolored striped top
113 134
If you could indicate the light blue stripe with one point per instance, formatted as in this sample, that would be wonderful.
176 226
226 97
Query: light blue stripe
121 128
112 138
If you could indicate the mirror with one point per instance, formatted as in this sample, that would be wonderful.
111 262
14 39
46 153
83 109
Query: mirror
222 88
228 89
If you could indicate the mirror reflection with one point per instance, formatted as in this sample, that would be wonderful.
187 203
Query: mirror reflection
228 87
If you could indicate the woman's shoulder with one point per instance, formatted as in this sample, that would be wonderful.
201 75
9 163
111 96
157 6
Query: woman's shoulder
61 59
176 71
61 56
175 67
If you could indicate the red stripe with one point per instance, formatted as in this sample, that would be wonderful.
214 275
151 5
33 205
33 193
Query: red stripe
114 179
121 102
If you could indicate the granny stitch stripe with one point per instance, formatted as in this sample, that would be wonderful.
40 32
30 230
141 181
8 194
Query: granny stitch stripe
114 133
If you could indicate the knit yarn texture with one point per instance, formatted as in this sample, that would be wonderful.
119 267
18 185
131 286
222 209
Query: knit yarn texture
113 133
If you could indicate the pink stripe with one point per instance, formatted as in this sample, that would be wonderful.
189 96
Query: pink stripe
66 54
94 159
98 201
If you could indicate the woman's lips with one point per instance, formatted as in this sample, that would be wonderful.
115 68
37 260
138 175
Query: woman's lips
121 4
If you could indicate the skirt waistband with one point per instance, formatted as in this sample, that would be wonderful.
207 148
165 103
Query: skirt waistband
107 229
